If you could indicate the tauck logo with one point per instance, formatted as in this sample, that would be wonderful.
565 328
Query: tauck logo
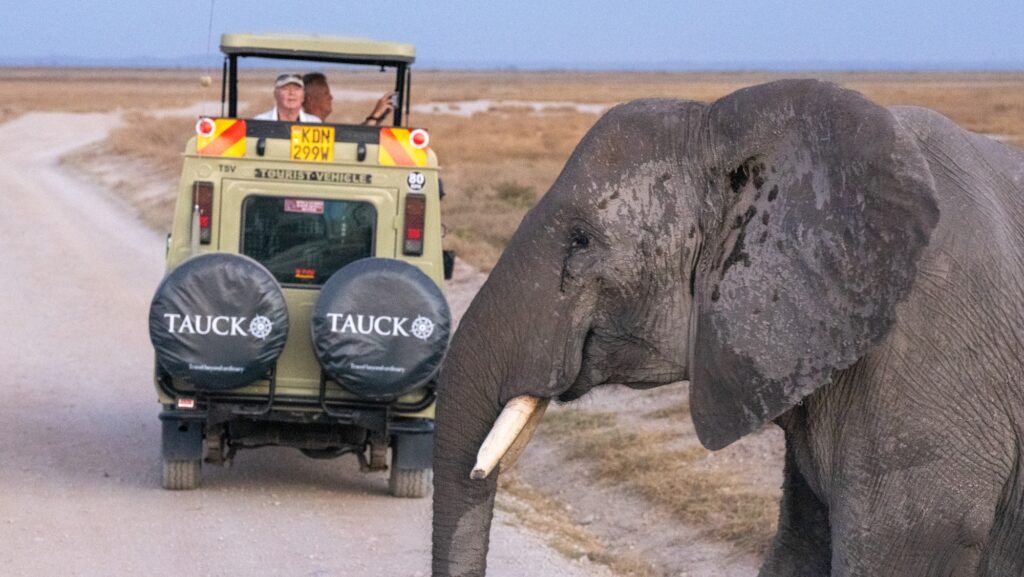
385 326
422 328
222 326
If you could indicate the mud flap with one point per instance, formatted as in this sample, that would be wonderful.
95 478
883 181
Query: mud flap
181 440
414 451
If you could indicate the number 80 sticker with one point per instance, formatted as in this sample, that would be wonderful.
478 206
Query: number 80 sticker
416 180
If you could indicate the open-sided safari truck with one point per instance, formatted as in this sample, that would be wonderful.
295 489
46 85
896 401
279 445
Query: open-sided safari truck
302 304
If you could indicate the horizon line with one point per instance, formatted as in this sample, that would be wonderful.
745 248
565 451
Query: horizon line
185 63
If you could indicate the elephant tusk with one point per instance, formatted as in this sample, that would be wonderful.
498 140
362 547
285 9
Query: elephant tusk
523 439
509 435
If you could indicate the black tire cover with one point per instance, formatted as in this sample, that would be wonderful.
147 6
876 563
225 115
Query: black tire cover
219 321
380 328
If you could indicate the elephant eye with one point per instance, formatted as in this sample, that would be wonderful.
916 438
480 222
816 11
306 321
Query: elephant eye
578 238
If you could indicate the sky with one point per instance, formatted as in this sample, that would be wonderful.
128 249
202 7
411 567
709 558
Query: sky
599 34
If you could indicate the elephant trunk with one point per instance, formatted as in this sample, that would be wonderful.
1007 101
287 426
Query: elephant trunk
468 405
481 378
463 510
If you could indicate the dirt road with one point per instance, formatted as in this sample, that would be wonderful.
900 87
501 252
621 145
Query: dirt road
79 435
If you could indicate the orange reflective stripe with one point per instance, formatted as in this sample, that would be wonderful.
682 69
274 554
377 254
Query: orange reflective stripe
384 159
228 139
393 147
396 150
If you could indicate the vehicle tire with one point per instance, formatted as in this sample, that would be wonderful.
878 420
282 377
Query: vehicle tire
409 483
181 475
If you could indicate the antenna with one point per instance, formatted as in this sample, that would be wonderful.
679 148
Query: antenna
206 80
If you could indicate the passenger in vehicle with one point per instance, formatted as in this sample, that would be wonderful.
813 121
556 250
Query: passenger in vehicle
319 100
289 93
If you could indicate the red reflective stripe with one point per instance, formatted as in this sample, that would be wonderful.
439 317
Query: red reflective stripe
225 140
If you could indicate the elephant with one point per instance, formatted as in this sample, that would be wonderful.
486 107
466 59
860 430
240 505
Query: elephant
850 272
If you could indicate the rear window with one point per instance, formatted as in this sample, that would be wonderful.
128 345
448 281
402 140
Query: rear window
303 241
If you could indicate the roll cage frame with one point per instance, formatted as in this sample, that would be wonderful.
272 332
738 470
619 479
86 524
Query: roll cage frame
229 79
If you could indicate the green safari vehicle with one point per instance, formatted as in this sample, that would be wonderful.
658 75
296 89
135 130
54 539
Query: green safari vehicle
303 303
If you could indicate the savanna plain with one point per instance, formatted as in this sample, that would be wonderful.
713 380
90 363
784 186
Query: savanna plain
618 478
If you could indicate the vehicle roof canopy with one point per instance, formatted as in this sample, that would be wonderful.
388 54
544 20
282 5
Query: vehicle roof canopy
319 48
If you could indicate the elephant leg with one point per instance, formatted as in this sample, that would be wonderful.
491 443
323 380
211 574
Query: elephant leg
914 524
802 546
928 548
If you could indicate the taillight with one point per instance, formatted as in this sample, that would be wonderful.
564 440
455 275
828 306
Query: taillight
202 197
415 212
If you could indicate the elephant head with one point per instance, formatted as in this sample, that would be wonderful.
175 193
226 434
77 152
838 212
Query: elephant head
752 246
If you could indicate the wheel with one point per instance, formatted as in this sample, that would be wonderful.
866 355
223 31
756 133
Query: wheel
181 475
409 483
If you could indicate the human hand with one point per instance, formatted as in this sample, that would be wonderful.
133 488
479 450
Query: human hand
384 105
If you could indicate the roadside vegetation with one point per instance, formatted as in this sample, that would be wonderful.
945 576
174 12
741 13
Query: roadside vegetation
497 163
97 90
651 464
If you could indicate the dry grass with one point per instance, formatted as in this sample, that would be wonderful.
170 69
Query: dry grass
672 479
161 142
99 90
991 108
680 409
497 163
548 517
155 146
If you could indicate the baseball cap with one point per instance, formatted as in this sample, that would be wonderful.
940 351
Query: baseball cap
288 79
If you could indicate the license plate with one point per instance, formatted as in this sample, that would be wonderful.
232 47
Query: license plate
313 143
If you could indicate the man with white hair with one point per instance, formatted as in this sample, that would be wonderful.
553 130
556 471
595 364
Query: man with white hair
288 96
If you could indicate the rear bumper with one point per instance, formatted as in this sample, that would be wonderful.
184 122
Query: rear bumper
375 419
295 408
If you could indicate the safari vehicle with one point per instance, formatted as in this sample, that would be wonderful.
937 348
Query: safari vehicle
303 302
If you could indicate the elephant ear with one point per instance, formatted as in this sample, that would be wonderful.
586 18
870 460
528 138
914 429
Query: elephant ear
828 203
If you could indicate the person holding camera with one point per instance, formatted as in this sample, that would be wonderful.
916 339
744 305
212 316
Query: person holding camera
319 101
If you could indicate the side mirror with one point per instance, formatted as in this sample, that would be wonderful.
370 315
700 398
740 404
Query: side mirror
449 263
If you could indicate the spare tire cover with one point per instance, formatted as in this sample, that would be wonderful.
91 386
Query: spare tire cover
219 321
380 328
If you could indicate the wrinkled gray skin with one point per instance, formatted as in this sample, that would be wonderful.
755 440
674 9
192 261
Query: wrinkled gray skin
853 273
